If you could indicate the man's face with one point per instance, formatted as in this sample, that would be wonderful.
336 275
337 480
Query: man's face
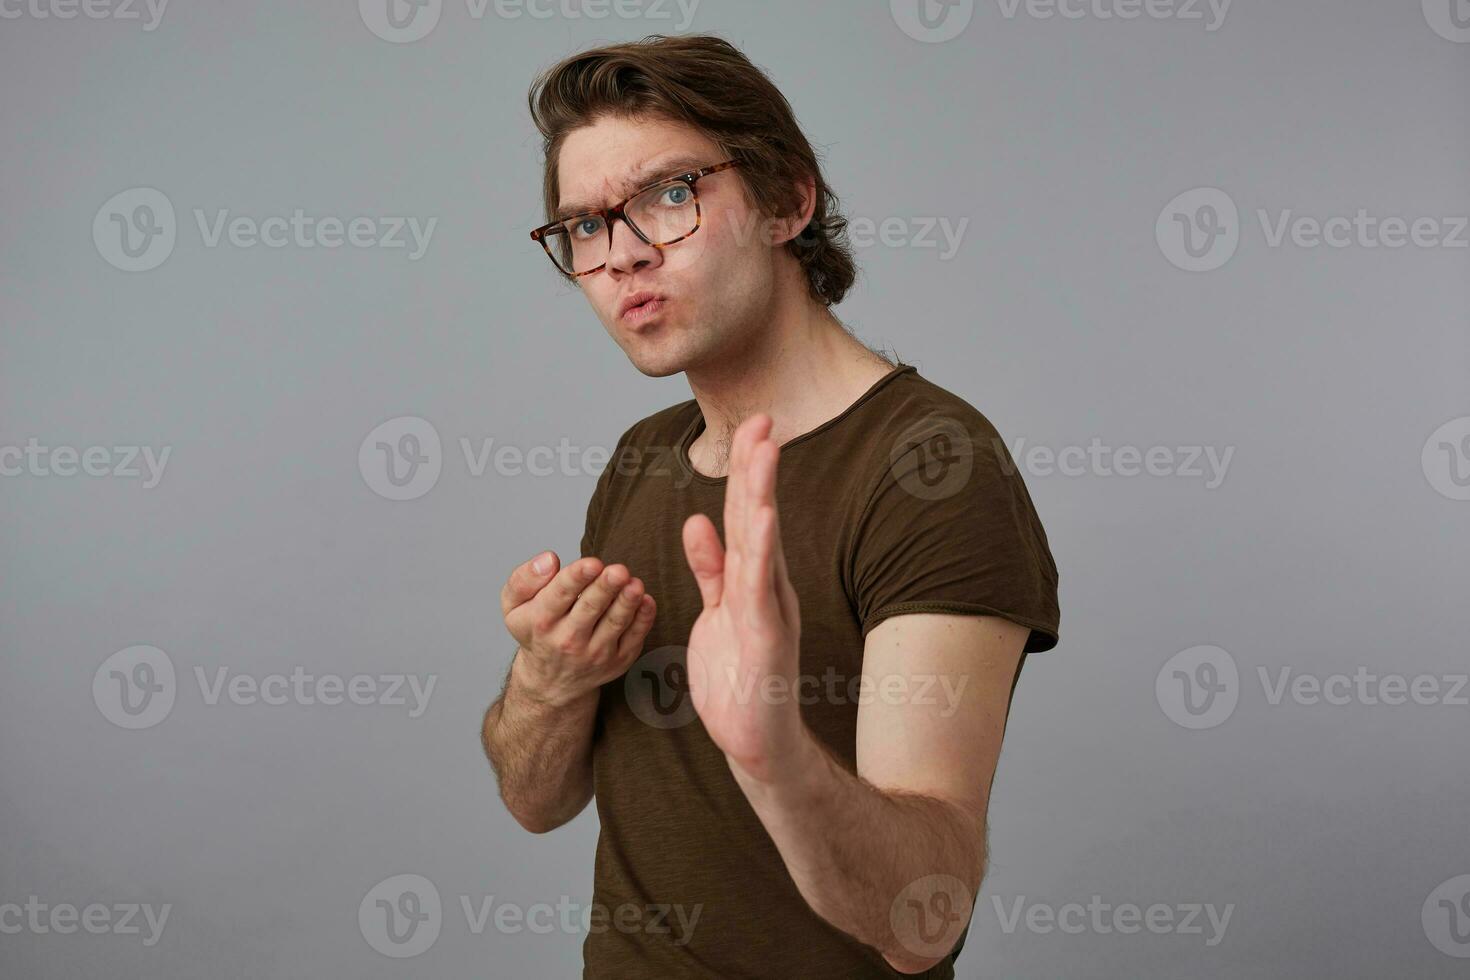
716 286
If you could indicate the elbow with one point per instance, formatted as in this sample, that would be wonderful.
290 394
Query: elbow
536 823
545 819
908 963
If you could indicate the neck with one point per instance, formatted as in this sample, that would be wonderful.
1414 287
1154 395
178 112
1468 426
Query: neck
802 369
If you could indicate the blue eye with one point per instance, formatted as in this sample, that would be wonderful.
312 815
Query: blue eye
587 227
680 194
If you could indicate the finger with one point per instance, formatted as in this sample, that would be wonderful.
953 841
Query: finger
765 467
619 617
557 597
760 479
632 640
737 502
706 558
760 606
790 606
595 598
526 581
759 474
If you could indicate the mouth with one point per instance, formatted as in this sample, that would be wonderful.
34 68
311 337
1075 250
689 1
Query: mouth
640 306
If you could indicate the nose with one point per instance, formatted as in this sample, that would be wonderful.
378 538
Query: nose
628 252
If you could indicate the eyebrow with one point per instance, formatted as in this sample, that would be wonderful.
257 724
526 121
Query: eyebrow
646 174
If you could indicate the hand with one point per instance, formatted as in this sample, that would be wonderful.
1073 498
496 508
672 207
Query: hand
577 629
750 627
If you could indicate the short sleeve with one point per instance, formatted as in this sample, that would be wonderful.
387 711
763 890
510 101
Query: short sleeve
591 526
950 528
594 512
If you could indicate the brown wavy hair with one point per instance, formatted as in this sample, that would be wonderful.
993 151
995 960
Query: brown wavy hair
705 82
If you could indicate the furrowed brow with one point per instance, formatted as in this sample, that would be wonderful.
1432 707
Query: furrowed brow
646 174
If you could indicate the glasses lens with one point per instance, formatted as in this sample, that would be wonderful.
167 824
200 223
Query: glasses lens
578 245
665 212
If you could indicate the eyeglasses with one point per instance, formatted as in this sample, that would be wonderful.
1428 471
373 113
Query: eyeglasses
660 214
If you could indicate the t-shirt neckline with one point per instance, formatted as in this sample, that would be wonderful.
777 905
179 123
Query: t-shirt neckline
697 425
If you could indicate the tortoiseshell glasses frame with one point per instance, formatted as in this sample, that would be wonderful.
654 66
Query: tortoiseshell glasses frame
688 179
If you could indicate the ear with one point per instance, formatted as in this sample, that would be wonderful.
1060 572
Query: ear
785 229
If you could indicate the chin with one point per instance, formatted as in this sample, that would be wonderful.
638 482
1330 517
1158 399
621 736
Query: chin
655 357
656 367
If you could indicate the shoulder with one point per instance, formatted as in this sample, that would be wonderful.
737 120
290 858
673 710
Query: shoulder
916 400
912 420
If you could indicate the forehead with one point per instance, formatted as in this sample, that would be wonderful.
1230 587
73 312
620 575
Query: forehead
602 163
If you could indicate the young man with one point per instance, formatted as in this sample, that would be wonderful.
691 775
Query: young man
786 688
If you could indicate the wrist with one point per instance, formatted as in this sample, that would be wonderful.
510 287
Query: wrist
786 775
533 688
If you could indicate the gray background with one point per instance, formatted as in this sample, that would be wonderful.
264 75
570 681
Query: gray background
265 548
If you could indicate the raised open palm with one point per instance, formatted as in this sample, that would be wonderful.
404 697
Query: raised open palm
744 648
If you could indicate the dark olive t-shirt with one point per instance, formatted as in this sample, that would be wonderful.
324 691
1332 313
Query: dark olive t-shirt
906 502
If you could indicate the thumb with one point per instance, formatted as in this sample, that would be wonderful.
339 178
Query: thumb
528 579
706 558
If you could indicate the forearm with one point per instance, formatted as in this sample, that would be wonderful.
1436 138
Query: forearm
541 753
853 850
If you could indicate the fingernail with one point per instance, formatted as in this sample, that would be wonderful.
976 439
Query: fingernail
542 564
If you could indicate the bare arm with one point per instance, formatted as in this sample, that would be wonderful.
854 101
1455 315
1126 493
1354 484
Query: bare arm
894 854
577 629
